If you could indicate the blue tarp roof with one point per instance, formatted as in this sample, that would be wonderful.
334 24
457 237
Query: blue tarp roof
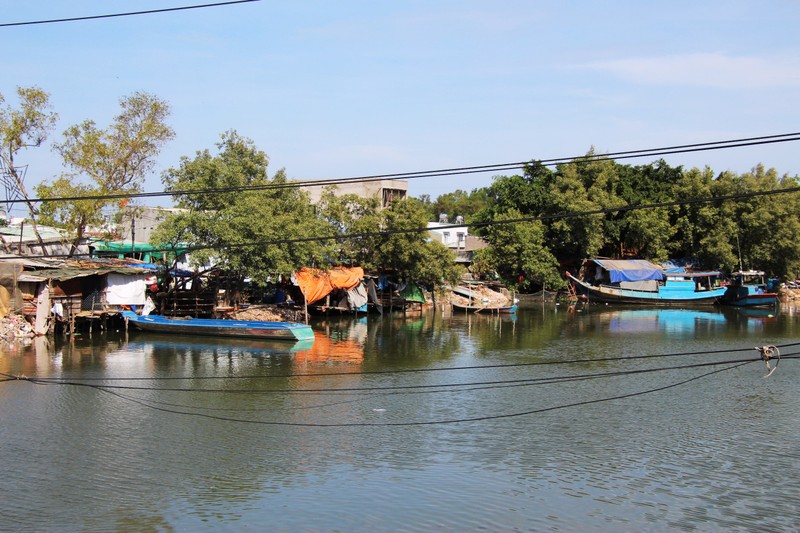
631 269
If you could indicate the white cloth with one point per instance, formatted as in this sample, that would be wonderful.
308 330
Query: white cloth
357 296
125 290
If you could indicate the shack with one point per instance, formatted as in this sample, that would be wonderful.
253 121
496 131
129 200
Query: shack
77 294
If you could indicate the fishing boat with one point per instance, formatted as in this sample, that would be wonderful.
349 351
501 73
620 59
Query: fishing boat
636 281
229 328
507 309
749 289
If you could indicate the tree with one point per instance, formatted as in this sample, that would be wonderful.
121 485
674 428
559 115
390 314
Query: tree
458 203
351 218
410 252
25 127
114 160
518 254
252 234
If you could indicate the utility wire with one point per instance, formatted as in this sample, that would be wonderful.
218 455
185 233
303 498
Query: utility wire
382 389
385 233
650 152
126 14
405 370
430 422
469 387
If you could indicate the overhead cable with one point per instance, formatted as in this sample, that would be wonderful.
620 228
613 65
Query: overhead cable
126 14
482 418
294 184
385 233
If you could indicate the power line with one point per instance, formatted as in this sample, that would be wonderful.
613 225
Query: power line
383 389
386 233
126 14
626 358
455 171
482 418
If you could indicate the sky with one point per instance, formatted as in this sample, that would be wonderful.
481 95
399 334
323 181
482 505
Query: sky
357 88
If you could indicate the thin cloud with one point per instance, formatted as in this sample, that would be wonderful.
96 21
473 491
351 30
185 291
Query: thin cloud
707 70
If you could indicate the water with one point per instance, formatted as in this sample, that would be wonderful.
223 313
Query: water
240 448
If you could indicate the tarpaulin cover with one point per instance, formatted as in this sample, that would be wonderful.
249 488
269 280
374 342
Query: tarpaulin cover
412 293
125 290
631 269
316 284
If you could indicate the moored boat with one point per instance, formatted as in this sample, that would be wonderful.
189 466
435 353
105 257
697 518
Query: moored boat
228 328
507 309
749 289
636 281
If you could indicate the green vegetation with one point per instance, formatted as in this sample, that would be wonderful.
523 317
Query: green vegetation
274 230
536 223
594 206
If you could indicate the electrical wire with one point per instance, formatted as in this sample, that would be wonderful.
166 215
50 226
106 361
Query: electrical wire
385 233
433 389
126 14
627 154
625 358
430 422
382 389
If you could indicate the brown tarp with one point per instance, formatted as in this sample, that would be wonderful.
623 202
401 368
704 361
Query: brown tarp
316 284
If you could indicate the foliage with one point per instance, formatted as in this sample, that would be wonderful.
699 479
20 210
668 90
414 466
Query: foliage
518 254
252 233
352 219
115 160
455 204
27 126
403 248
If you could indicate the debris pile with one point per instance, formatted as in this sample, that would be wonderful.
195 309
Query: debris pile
789 292
15 327
485 297
269 313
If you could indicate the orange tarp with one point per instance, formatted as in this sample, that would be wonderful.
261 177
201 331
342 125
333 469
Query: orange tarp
316 284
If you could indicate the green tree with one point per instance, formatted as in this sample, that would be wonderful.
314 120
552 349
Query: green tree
768 224
353 219
410 252
111 161
248 233
458 203
518 254
27 126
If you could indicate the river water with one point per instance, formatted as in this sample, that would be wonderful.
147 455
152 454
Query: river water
548 421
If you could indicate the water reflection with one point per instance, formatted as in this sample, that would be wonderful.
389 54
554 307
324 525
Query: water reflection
615 320
200 459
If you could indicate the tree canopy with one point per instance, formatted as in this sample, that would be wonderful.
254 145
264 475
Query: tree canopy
102 162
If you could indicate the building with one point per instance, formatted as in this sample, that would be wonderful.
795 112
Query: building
384 190
20 239
456 237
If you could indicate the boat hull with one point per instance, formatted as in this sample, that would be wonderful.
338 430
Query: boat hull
666 295
475 309
764 299
226 328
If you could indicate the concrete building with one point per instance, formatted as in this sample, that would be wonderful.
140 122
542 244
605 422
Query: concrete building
385 190
456 237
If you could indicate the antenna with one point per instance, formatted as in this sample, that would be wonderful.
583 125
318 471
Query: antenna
10 180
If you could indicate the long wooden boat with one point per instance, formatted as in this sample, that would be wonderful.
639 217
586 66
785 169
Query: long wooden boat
508 309
644 283
749 290
229 328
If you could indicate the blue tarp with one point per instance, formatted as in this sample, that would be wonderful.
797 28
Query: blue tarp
631 269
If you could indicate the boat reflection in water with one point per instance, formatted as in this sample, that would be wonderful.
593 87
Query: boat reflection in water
677 322
217 344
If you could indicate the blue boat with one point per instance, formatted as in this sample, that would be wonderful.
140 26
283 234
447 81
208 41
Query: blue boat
229 328
636 281
749 289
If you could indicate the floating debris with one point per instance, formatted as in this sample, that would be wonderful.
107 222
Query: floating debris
15 327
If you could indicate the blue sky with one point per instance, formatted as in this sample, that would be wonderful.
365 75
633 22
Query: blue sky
352 88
